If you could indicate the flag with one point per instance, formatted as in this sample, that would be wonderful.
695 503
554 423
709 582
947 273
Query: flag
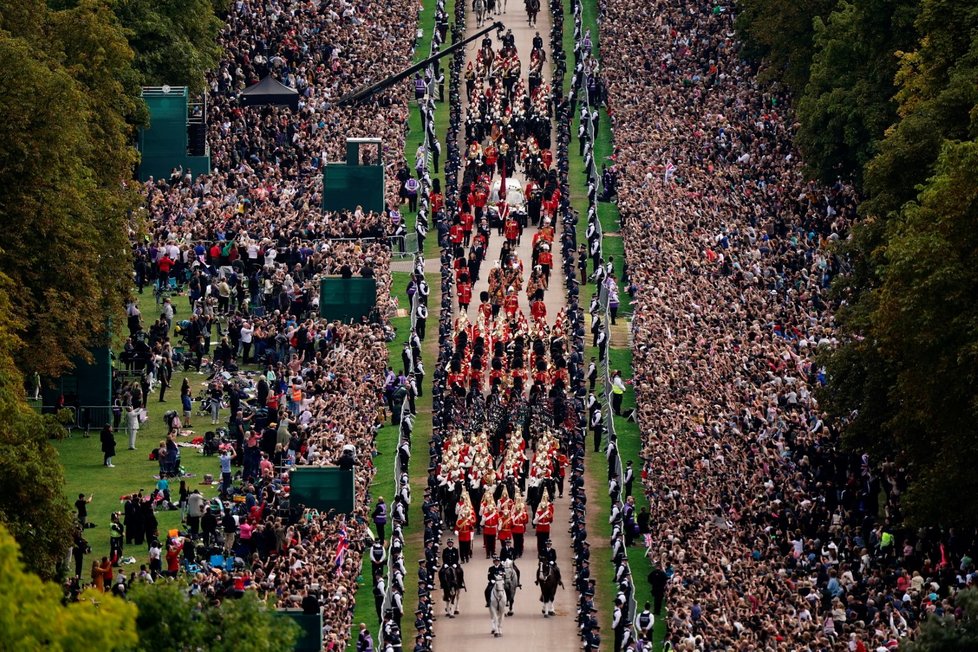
502 182
341 546
670 171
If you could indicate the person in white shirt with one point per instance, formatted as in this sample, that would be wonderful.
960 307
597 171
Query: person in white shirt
247 337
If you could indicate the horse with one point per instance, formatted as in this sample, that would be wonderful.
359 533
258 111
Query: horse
479 6
512 579
452 582
548 577
497 605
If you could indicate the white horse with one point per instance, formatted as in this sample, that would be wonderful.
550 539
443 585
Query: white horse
512 579
497 605
480 11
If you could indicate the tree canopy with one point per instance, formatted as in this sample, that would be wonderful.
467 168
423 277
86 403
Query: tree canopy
887 97
168 612
950 634
68 97
175 41
32 502
34 618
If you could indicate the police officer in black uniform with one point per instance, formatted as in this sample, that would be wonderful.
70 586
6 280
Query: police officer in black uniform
548 554
495 571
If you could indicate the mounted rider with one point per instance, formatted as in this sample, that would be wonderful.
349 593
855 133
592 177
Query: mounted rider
495 572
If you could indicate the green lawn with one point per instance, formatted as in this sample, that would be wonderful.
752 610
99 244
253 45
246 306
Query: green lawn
384 482
134 471
629 439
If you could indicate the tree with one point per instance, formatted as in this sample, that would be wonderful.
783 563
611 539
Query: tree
32 500
66 96
176 41
919 353
171 617
847 103
34 618
949 634
935 97
780 34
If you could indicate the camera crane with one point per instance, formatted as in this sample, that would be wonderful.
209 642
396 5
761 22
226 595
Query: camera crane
364 93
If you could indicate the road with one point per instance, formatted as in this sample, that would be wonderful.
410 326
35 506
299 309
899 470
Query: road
469 630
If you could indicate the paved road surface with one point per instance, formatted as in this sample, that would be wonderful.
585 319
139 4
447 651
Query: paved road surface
527 628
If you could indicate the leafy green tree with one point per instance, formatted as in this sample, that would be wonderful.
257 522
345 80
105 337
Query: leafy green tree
34 618
66 97
937 94
848 103
780 34
32 501
170 617
919 356
175 40
947 634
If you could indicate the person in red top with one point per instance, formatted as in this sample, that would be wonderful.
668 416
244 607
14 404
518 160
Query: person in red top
512 230
464 292
437 200
485 308
560 466
468 222
490 521
520 518
479 199
491 157
538 309
546 260
165 264
511 303
456 234
465 524
173 557
543 519
505 529
547 158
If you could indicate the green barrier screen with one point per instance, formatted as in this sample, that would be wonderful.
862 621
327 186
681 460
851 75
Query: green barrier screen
311 637
163 144
323 488
88 383
347 299
347 186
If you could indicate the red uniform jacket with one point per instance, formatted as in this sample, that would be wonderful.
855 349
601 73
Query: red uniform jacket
512 230
464 293
455 234
489 523
538 309
544 518
520 519
511 304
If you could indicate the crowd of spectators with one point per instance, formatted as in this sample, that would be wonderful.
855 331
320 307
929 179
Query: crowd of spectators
249 243
267 161
768 534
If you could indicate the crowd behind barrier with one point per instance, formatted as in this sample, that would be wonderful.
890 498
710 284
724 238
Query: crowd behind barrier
429 201
267 162
387 565
586 90
766 533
